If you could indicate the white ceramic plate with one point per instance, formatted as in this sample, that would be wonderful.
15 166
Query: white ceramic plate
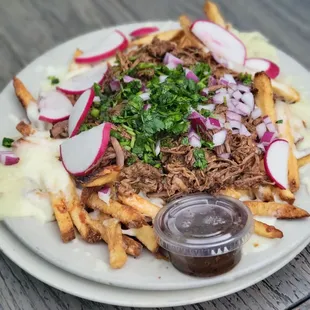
145 272
95 291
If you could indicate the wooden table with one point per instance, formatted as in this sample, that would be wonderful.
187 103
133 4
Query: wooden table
30 27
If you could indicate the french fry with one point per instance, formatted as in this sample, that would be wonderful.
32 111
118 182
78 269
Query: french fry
264 193
25 129
285 132
303 161
213 14
168 35
62 216
236 193
105 176
73 65
189 39
80 217
264 95
140 204
265 230
285 195
275 209
126 214
146 235
290 94
22 93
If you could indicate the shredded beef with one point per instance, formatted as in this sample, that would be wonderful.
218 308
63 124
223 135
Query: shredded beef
59 130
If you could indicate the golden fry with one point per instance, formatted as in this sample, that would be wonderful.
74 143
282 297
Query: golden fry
303 161
62 216
285 195
22 93
25 129
140 204
264 95
189 39
278 210
264 193
146 235
289 94
266 230
126 214
105 176
169 35
236 193
213 14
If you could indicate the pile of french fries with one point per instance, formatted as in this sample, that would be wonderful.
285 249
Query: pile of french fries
108 221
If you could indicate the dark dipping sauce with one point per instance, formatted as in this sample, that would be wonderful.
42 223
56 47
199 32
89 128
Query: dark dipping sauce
203 235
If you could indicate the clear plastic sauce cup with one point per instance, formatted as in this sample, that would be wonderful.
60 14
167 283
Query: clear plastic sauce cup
202 234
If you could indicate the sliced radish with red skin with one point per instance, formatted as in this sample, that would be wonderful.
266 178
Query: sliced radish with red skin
262 64
80 111
115 41
140 32
54 107
81 153
79 83
276 162
221 42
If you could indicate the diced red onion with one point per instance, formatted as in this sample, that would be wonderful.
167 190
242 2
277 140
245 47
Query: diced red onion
244 131
235 125
212 81
162 78
256 113
267 120
144 88
213 123
157 148
115 85
235 131
267 138
261 129
237 95
147 107
190 75
209 107
197 121
243 109
204 92
271 127
222 81
225 155
234 102
230 91
219 137
219 98
194 141
243 88
171 61
233 86
8 158
221 91
145 96
232 116
248 99
261 146
96 99
104 194
229 78
227 126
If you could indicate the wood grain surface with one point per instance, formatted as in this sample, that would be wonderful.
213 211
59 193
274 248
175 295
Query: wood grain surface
30 27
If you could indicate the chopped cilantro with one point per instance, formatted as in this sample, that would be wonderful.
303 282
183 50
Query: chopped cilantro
202 70
280 121
185 141
131 160
54 80
7 142
200 159
208 144
245 78
205 112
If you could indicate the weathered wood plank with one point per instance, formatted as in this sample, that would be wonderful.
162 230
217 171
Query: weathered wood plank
30 27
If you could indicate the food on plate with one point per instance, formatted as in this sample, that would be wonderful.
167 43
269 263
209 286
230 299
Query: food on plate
116 146
265 230
202 234
276 209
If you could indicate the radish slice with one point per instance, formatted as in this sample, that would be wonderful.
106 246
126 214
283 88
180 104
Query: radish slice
80 111
262 64
54 107
144 31
80 153
221 42
115 41
8 158
276 162
79 83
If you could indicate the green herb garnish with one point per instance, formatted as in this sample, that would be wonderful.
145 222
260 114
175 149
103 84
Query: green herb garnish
280 121
7 142
54 80
245 78
185 141
208 144
200 159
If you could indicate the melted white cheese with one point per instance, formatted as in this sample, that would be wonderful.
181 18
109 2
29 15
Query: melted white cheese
25 187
